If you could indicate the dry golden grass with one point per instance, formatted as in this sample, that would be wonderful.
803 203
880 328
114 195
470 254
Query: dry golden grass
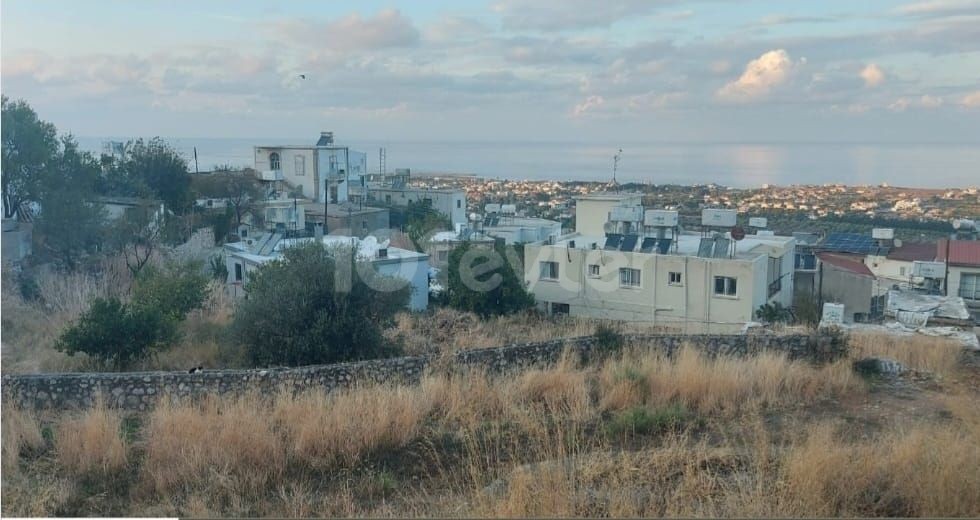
21 432
934 354
536 444
722 384
92 442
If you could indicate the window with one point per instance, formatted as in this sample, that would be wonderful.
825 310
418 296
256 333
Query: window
674 278
549 270
387 199
593 270
238 272
970 286
364 224
274 161
210 203
300 165
726 286
901 271
559 308
806 261
629 277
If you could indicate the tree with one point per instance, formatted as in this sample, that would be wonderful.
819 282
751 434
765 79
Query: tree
239 189
70 222
118 334
30 146
153 169
317 306
487 281
137 234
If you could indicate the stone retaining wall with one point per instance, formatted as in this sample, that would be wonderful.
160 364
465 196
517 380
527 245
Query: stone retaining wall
139 390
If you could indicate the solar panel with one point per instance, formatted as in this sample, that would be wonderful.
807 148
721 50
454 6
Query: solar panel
721 247
612 241
629 243
705 247
648 244
664 245
851 243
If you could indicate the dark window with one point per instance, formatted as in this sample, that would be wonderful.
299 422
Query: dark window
274 161
238 272
726 286
549 270
459 204
559 308
594 270
674 278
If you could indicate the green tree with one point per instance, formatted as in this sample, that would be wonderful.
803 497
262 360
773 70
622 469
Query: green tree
487 281
317 306
30 147
153 169
176 290
118 334
239 189
70 223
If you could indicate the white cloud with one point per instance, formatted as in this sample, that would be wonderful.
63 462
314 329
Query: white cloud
760 77
971 100
560 15
872 75
389 28
932 8
925 101
590 103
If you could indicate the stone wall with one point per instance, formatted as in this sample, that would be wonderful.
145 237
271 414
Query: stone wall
139 390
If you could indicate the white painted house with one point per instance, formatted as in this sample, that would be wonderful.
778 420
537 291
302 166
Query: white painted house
243 258
679 286
309 167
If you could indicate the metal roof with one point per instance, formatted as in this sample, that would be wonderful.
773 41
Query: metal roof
961 252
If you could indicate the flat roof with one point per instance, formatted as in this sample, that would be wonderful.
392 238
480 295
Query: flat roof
607 196
341 210
686 244
421 190
367 248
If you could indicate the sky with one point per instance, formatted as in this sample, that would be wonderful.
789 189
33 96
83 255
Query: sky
753 71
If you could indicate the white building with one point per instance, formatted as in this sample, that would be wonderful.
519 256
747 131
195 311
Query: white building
308 167
451 203
514 229
592 211
687 285
243 258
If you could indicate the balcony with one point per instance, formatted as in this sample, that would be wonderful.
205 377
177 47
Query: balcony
271 175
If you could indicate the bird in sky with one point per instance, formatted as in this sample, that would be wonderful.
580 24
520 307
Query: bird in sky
302 76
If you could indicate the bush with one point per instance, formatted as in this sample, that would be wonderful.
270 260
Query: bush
118 334
773 313
608 337
640 420
175 291
308 309
487 282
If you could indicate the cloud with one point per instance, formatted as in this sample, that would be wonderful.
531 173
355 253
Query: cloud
591 103
760 77
925 102
455 28
389 28
872 75
781 19
561 15
938 8
971 100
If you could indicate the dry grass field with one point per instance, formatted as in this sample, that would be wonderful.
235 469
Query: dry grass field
636 435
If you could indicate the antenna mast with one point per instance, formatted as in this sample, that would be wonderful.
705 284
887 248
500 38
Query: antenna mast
616 166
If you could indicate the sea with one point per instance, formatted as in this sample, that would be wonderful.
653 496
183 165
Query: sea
730 164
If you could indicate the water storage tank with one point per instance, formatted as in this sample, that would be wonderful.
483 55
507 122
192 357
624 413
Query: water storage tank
491 208
660 218
626 213
758 222
508 209
718 217
882 233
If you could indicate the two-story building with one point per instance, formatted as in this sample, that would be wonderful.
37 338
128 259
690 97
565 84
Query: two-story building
690 282
322 168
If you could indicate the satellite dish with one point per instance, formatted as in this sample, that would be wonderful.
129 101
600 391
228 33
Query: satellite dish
738 233
898 242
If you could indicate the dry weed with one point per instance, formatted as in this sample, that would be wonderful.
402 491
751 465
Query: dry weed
21 431
92 442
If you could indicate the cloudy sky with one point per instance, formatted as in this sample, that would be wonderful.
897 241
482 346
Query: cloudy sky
637 70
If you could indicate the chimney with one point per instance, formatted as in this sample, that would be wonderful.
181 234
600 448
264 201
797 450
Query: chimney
326 139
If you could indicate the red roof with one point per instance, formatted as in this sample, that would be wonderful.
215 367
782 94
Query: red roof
914 252
850 263
961 252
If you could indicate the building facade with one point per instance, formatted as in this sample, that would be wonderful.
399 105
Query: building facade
318 169
585 275
451 203
592 211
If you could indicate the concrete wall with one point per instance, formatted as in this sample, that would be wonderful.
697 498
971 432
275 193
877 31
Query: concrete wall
297 165
592 213
852 289
690 305
140 390
451 203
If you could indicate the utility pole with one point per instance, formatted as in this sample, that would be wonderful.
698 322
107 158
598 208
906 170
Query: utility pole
616 167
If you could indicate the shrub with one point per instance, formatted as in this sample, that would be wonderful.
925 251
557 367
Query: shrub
92 442
640 420
118 334
608 337
487 282
773 313
174 291
312 307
